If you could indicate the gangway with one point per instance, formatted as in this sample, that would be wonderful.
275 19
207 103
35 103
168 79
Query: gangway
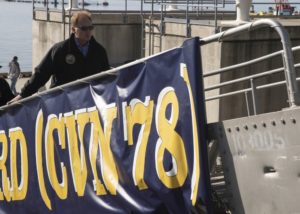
256 156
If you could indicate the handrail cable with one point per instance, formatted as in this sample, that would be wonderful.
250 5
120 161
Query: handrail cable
269 85
288 59
244 64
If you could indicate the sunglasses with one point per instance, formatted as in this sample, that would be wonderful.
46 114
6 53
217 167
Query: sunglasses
86 28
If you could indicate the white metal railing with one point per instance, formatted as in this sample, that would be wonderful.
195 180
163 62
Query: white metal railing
288 62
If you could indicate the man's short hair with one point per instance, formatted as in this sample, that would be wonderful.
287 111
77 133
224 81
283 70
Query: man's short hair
15 58
75 17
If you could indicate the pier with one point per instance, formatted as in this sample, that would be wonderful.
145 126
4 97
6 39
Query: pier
130 35
249 67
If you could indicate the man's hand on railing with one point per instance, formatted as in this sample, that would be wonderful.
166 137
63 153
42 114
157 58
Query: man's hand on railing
17 98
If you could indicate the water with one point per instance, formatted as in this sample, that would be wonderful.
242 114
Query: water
15 34
16 27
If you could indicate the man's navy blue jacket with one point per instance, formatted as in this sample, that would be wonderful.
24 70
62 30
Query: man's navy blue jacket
65 63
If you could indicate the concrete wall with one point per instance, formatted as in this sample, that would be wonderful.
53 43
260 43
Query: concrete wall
248 46
174 35
119 34
44 36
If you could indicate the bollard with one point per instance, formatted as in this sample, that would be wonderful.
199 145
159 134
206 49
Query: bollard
242 13
243 10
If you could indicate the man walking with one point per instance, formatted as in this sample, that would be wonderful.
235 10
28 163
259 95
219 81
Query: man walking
14 73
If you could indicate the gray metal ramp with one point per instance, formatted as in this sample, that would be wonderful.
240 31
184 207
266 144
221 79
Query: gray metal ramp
261 161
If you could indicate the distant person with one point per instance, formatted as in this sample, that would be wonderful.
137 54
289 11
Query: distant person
77 57
14 73
5 92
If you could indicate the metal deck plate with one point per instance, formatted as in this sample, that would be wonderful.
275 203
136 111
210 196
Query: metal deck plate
261 160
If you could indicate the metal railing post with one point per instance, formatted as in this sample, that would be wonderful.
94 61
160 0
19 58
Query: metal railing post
48 10
143 31
288 63
254 98
188 26
125 20
247 103
33 10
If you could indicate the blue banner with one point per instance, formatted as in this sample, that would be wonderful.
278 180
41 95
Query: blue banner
127 143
